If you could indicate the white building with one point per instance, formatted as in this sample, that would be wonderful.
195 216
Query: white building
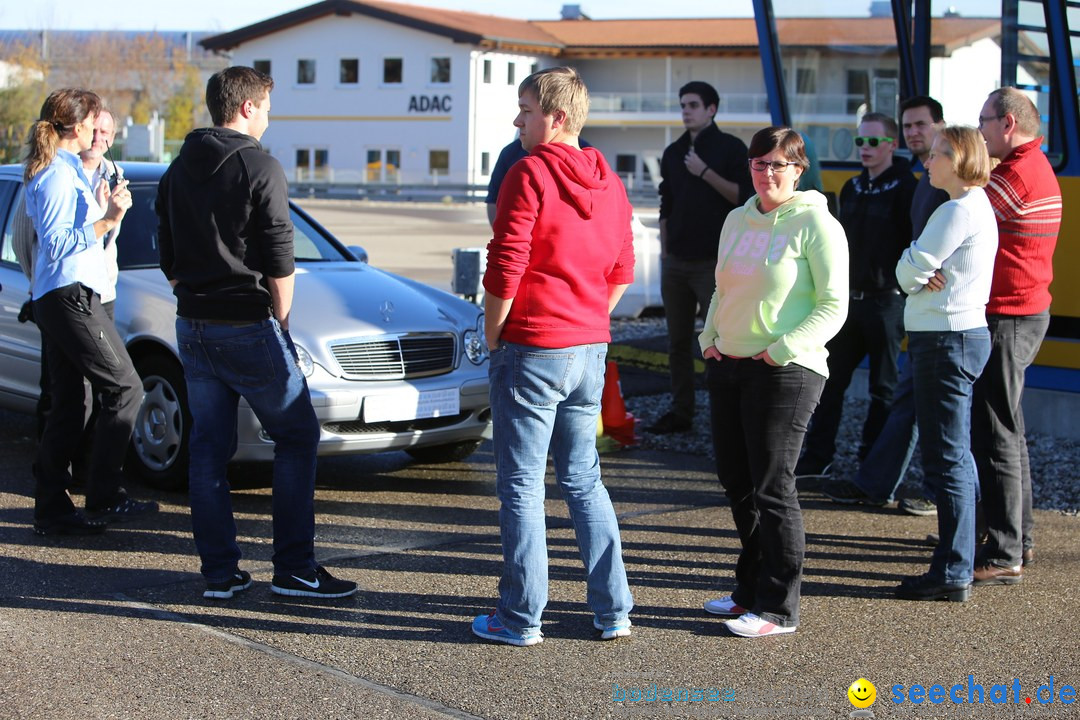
377 92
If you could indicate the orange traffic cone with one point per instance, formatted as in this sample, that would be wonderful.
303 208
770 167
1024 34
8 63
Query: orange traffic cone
618 424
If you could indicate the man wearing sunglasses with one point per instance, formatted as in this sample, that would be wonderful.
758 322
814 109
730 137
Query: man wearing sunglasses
705 176
883 469
875 209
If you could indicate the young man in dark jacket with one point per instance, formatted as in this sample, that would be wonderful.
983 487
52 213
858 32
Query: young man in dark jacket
705 176
875 210
226 245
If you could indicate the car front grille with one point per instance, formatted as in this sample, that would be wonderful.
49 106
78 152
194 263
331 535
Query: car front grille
396 358
358 427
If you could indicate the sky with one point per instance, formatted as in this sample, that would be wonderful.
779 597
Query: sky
224 15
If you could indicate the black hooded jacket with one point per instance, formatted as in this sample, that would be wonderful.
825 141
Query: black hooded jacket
223 226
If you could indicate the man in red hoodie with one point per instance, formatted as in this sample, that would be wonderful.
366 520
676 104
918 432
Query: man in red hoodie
561 258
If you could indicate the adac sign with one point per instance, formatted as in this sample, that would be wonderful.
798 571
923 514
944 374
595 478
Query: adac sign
429 103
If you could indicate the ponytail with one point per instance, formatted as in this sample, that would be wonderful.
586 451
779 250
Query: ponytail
61 112
41 145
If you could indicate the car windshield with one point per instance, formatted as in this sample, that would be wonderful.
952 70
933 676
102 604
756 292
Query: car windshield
137 246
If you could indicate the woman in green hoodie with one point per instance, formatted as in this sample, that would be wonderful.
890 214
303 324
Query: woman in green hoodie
781 294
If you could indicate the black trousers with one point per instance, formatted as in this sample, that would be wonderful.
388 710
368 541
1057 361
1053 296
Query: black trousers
759 416
79 341
81 462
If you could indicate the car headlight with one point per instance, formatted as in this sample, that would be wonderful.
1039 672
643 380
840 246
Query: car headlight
304 361
476 343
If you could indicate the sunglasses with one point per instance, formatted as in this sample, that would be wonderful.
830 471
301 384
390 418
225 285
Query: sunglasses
871 141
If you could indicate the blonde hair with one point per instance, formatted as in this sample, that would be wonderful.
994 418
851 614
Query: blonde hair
966 148
60 113
560 88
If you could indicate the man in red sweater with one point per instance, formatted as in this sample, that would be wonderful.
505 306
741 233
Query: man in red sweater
1027 201
561 258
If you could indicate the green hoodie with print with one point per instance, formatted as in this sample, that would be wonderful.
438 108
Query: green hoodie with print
781 283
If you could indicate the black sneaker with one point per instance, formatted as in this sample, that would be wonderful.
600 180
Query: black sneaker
317 583
126 509
669 423
917 506
73 524
848 493
224 589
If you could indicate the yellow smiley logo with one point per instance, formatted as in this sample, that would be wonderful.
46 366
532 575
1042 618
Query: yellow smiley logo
862 693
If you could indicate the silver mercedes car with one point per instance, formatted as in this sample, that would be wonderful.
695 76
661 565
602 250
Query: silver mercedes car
391 363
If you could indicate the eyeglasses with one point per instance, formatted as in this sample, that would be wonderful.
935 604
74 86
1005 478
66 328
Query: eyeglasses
871 141
988 118
776 166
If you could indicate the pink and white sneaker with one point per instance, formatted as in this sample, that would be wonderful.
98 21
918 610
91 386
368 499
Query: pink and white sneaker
725 606
750 625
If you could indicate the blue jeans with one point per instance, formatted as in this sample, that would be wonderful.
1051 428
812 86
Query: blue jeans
759 418
545 399
998 436
874 329
945 367
256 361
882 470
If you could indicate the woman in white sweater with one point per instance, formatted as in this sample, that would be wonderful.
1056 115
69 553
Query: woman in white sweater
946 273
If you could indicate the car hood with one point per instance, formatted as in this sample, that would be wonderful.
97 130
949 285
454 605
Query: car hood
332 301
348 299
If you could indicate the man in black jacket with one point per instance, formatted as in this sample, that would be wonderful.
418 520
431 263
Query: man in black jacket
875 210
705 176
226 244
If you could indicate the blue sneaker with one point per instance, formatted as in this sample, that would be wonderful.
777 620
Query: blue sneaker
615 629
490 627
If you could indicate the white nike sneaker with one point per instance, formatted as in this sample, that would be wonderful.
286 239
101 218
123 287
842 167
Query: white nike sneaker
316 583
750 625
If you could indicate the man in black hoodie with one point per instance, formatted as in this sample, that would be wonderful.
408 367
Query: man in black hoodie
226 244
875 210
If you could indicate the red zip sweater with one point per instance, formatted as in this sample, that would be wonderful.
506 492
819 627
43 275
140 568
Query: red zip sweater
562 236
1027 202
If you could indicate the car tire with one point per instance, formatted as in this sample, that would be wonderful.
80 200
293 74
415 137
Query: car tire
452 452
159 444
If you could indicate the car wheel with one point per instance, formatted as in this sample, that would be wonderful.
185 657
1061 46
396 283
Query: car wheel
159 445
453 452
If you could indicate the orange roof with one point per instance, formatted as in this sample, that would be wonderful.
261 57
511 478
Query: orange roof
464 27
581 37
725 33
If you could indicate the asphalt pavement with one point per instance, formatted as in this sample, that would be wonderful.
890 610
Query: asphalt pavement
116 626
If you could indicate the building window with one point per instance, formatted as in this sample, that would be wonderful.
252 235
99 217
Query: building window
510 79
392 71
626 164
382 165
312 164
262 66
350 71
535 68
305 72
439 162
487 72
858 89
805 81
440 70
485 163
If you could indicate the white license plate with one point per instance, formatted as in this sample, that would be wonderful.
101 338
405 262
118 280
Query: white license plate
407 404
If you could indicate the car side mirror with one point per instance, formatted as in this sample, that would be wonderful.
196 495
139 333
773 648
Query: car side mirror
358 252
